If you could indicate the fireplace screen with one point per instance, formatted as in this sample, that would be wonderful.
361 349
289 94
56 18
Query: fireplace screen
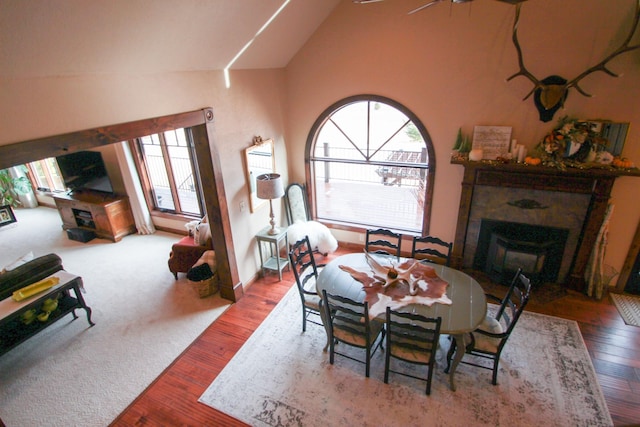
506 255
505 246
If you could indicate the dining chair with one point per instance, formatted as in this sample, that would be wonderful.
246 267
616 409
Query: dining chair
383 241
488 340
305 271
296 203
414 339
349 323
431 249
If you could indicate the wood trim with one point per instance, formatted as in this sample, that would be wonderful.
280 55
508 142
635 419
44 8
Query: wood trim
215 198
57 145
201 122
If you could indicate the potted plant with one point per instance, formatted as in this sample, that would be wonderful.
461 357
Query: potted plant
11 188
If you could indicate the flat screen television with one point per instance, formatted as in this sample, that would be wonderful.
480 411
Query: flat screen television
84 170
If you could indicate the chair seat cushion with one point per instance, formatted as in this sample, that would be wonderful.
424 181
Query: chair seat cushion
486 343
343 332
312 302
186 241
412 350
184 254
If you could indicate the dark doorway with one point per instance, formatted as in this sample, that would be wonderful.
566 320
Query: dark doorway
633 284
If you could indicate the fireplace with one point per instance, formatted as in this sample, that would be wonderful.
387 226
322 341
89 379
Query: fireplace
575 200
503 247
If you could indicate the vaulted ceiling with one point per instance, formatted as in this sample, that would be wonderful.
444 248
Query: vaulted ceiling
73 37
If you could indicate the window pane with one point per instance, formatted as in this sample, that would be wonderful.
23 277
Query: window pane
370 166
46 174
182 171
55 177
157 172
169 164
39 175
369 195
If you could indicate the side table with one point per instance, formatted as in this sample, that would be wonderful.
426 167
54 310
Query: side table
13 331
270 258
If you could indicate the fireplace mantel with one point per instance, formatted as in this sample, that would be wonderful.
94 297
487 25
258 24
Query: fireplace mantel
595 182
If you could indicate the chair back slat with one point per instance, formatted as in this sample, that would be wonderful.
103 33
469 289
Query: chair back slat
431 249
296 203
515 300
303 263
411 338
348 322
383 241
305 272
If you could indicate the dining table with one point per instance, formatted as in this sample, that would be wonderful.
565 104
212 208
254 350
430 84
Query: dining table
466 311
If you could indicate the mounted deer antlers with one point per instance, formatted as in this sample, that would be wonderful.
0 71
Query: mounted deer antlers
551 92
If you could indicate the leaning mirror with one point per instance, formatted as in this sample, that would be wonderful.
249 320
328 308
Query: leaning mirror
259 160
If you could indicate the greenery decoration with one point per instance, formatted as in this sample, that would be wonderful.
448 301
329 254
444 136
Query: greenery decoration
12 188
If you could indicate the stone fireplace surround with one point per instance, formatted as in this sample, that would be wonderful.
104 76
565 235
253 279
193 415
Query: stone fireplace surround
556 209
574 199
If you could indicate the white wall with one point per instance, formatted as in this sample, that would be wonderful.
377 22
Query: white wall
448 64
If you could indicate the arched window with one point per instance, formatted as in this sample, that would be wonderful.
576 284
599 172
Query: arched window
371 164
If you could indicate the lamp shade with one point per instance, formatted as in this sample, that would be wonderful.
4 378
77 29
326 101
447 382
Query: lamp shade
269 186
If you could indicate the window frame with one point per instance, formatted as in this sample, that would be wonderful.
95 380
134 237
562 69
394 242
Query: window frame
46 165
143 172
311 145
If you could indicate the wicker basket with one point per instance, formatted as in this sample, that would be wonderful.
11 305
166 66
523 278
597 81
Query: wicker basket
206 287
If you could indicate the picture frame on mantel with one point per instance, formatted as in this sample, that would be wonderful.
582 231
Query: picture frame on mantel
6 215
493 140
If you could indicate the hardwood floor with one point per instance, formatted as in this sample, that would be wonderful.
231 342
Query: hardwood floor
173 398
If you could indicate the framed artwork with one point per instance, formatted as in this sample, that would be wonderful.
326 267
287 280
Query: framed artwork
6 215
494 140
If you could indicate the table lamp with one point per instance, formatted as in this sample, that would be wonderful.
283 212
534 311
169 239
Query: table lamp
269 187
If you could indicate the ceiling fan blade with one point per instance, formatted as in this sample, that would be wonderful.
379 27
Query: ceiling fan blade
424 6
512 1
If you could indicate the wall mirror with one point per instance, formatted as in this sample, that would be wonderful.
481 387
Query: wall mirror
259 160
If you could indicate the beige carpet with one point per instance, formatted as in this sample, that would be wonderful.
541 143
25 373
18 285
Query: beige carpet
282 377
629 308
74 375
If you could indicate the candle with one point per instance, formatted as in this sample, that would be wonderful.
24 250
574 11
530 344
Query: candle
522 152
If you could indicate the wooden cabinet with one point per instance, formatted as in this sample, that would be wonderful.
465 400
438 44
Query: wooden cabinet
109 216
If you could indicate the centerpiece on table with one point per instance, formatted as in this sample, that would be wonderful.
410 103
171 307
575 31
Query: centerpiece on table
396 286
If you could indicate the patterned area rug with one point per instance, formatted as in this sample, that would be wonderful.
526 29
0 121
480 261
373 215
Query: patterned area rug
282 377
629 308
